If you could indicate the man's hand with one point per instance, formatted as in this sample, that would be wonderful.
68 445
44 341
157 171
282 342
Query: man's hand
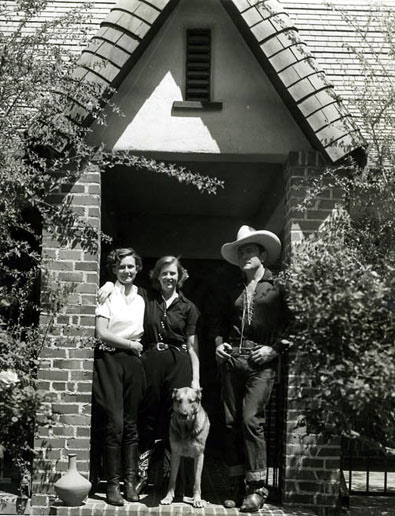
136 347
104 292
263 354
222 352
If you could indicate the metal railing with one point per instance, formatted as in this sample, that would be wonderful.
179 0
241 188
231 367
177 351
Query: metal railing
367 472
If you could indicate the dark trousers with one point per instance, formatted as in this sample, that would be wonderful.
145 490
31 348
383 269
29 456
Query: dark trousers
118 388
165 370
246 392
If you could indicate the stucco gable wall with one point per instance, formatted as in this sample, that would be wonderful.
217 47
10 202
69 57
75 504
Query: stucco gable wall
253 119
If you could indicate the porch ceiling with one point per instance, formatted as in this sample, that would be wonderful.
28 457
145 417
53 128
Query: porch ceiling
251 190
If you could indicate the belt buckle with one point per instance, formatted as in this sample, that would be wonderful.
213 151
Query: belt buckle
161 346
245 352
239 352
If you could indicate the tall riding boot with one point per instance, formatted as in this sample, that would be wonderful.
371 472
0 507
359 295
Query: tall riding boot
130 460
112 463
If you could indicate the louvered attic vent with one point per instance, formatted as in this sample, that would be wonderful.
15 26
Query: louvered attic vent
198 65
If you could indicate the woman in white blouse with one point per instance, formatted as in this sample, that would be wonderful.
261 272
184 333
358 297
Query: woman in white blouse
119 379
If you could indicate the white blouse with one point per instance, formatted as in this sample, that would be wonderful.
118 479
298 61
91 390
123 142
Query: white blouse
124 312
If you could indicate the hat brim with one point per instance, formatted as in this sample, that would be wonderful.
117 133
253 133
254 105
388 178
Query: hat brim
266 239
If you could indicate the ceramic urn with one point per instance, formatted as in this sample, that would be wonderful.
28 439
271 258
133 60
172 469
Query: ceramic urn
72 488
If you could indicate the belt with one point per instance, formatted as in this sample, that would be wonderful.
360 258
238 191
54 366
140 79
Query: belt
245 343
242 352
162 346
244 347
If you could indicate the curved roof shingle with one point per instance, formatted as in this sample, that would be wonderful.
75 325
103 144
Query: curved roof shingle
272 36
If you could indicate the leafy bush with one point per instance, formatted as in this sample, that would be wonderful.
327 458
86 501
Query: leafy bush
344 327
341 283
19 399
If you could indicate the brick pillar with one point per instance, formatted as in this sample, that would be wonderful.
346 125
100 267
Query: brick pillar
67 358
311 465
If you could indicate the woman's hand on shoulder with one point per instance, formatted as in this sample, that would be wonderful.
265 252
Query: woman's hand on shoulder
195 385
104 292
136 347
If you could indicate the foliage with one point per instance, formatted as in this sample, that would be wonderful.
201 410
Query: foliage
42 150
19 398
341 284
343 322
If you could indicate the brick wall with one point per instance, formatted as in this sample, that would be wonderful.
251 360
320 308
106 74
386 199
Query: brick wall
311 465
67 358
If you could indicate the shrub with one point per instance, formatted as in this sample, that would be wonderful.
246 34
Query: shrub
341 284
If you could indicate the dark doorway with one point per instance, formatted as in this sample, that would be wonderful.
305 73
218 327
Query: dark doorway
158 216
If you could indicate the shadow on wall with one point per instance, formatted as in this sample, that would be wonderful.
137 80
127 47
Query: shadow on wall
253 120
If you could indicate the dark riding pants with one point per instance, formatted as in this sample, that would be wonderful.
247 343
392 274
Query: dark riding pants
165 370
118 388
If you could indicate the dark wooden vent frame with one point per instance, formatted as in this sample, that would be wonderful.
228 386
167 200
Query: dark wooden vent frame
198 65
198 72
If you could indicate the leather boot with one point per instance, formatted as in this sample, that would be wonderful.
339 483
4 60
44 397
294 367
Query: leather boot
236 493
255 499
112 463
130 459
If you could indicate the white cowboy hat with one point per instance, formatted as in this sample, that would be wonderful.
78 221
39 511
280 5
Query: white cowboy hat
246 234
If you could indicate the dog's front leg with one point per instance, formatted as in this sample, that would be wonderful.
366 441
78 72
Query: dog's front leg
198 467
175 464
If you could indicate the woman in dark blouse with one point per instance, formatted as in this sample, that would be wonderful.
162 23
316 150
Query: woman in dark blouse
170 355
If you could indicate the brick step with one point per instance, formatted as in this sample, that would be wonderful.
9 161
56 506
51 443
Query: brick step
214 489
149 505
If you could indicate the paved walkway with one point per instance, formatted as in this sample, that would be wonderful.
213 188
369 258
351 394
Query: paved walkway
372 506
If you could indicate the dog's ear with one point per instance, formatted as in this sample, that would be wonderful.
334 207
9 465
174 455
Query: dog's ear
174 394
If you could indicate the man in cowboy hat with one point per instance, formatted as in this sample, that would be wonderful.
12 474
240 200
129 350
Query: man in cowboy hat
247 345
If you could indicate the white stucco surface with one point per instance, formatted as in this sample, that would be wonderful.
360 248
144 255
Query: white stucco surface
253 120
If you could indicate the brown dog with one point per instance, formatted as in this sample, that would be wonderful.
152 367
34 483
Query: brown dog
189 427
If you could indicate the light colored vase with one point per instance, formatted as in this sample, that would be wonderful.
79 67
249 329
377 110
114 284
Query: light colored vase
72 488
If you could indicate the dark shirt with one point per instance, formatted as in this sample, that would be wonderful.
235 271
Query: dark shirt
267 315
171 325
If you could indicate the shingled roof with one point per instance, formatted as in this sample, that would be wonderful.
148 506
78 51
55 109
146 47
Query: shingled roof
273 38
